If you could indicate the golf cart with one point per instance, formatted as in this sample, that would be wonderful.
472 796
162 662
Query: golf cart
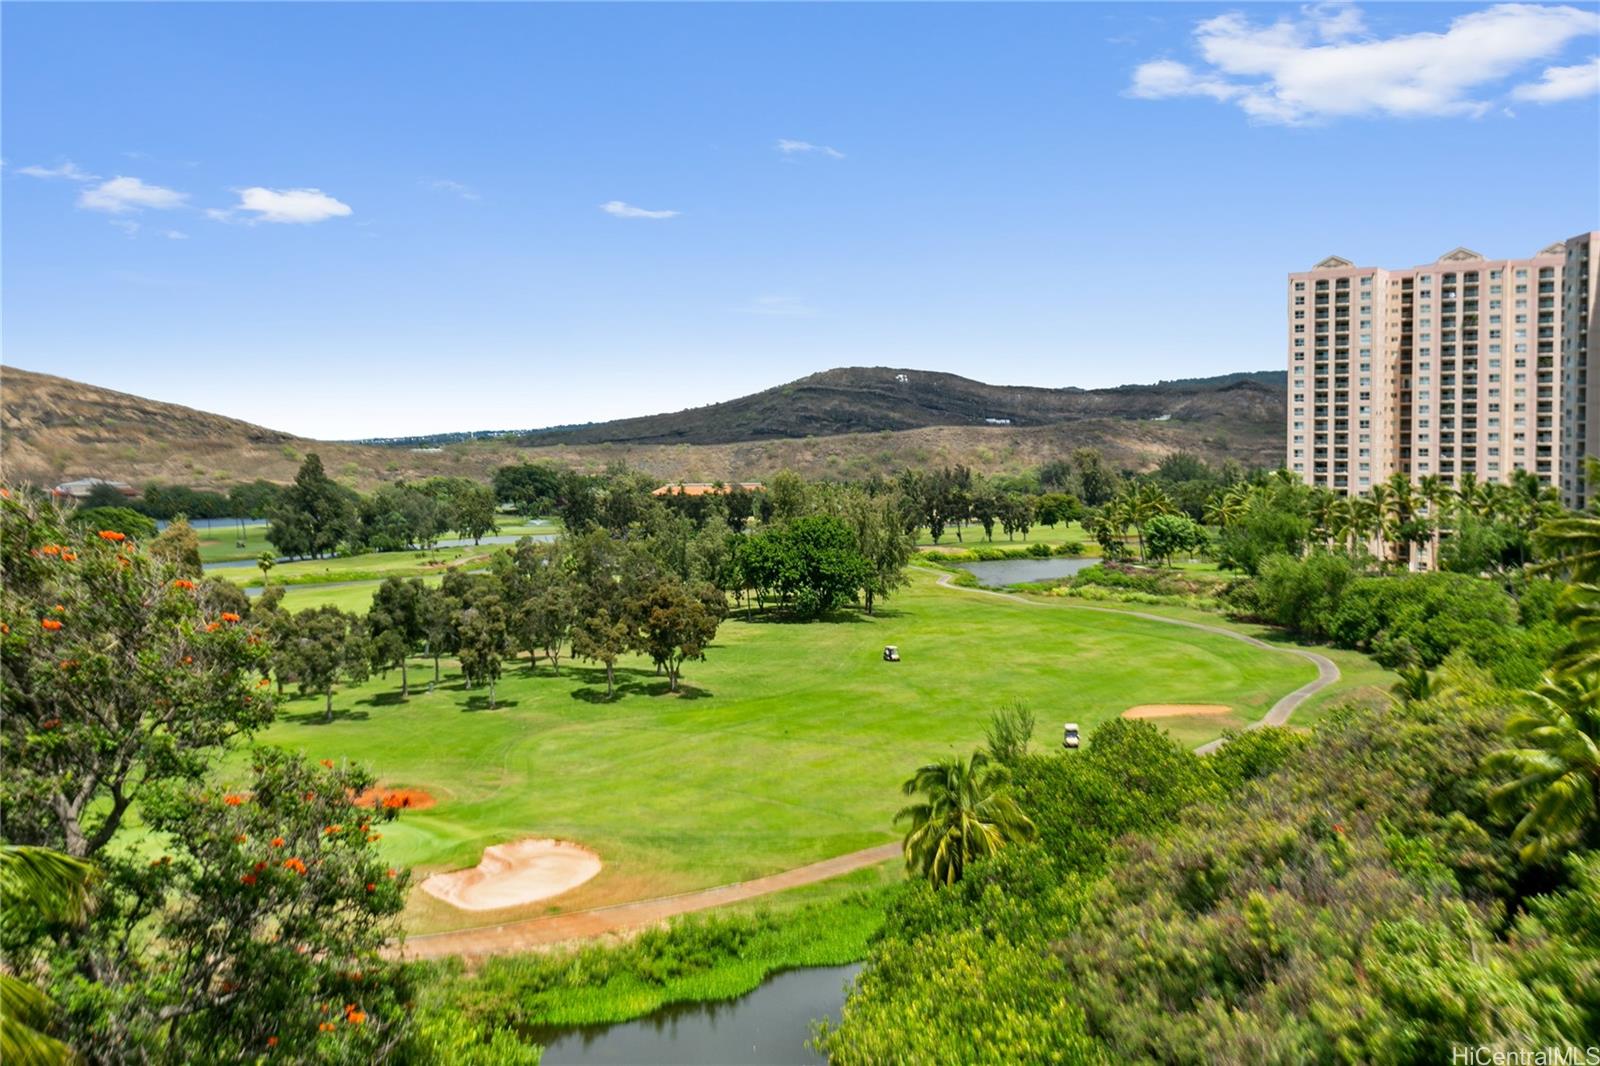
1069 735
891 653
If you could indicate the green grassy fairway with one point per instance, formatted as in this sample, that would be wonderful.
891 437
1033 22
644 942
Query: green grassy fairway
786 747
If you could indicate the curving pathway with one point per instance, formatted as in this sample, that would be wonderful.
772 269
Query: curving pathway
1277 714
534 933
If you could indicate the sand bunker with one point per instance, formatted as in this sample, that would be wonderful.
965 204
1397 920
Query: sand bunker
1176 710
524 871
404 799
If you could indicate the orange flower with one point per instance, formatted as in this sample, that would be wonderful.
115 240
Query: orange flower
49 723
356 1017
325 1027
68 664
332 829
213 627
112 535
183 583
310 796
240 839
70 557
233 799
328 763
296 865
374 836
263 683
260 866
277 842
248 879
50 549
229 616
51 624
59 609
272 1041
371 887
187 659
4 628
392 873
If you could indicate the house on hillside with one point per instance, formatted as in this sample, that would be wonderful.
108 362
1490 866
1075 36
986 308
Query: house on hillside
706 488
81 488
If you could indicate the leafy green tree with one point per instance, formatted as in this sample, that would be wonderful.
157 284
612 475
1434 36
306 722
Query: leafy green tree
253 500
788 493
437 610
122 520
537 585
531 488
259 928
674 622
820 566
881 540
966 814
265 562
314 515
327 646
1168 534
178 546
1555 757
472 512
483 637
115 675
394 626
605 574
45 886
1009 733
1099 484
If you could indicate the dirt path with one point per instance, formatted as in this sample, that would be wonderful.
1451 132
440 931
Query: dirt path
1277 714
583 925
534 933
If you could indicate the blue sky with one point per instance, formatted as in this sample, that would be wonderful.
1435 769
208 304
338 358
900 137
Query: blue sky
371 219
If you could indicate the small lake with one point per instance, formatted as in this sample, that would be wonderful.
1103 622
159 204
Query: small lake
1016 571
769 1025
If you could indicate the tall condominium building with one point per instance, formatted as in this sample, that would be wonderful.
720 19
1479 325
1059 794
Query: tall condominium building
1465 365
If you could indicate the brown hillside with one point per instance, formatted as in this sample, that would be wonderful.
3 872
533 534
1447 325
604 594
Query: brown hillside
53 429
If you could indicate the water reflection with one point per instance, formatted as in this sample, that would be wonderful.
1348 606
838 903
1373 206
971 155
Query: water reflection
769 1025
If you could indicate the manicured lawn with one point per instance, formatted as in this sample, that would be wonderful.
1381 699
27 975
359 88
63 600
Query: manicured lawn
786 747
972 535
372 566
220 543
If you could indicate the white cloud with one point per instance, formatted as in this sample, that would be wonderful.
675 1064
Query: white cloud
282 205
466 192
618 209
127 226
788 147
121 195
1562 83
68 170
175 235
1324 64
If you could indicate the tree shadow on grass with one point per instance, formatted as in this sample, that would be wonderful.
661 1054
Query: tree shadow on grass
844 616
480 702
385 699
320 717
630 682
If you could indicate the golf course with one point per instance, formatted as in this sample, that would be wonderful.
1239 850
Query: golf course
785 747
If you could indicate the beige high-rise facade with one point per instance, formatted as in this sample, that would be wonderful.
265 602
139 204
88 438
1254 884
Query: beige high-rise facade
1465 365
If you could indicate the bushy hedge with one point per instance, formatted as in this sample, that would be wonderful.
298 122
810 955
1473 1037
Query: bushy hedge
1347 898
1406 619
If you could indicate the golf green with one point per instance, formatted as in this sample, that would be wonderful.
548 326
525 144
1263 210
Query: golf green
786 746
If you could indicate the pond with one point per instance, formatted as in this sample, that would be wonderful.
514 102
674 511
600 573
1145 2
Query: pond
768 1025
1016 571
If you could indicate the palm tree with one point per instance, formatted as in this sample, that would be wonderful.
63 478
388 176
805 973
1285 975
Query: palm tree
1571 550
966 815
1379 500
1402 513
1557 787
54 887
1436 494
